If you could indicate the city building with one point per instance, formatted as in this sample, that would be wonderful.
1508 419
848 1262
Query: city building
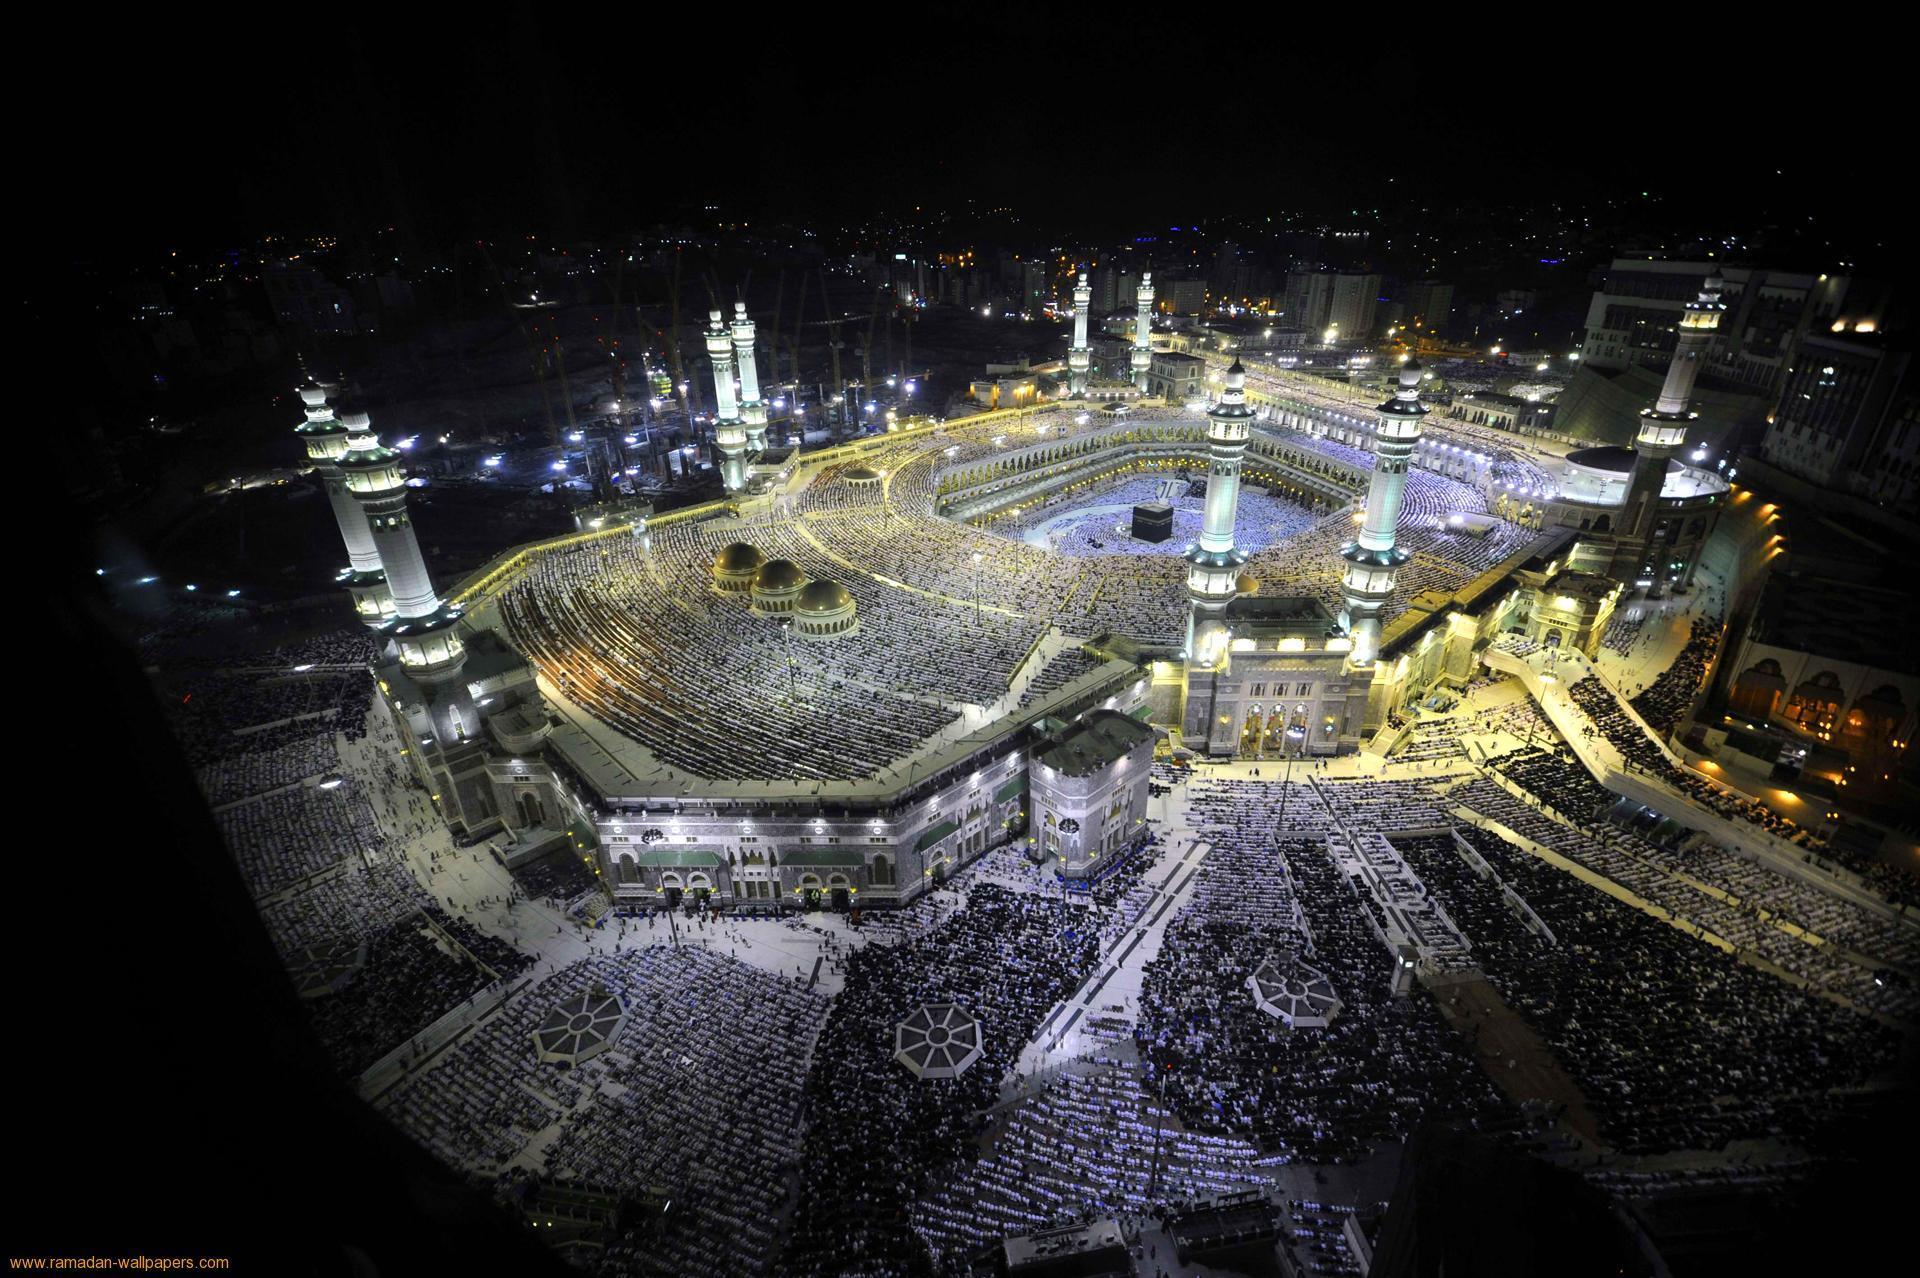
1849 419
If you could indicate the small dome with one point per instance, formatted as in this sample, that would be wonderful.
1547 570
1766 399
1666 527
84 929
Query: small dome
1247 584
823 596
779 574
862 475
738 557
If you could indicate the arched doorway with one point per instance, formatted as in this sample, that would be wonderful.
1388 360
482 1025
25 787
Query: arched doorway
840 890
532 811
1252 732
1757 692
673 889
810 889
701 887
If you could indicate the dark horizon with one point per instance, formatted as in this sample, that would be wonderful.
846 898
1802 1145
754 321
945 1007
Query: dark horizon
513 129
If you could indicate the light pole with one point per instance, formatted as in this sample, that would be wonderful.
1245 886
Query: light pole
977 557
786 651
1286 782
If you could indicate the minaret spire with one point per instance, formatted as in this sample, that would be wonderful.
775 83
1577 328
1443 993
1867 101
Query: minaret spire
423 629
1080 355
326 438
752 411
1213 566
729 431
1142 354
1663 430
1372 560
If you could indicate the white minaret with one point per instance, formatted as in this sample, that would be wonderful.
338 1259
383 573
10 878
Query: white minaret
1080 356
1663 431
423 629
1142 353
1370 563
729 432
1213 566
752 411
326 439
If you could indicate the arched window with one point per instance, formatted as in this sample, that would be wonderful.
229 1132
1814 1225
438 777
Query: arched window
629 869
880 872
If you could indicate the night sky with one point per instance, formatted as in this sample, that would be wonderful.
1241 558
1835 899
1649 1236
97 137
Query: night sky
499 120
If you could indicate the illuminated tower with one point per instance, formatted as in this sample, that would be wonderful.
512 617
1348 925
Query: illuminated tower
1142 354
423 630
326 439
729 432
752 411
1638 555
1366 581
1080 357
1213 566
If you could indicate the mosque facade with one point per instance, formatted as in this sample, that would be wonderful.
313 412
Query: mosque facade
1260 675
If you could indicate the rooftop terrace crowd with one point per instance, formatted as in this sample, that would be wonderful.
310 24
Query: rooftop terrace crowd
1641 752
1675 1043
1732 898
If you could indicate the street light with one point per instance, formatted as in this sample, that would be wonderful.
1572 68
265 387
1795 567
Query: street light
977 557
786 648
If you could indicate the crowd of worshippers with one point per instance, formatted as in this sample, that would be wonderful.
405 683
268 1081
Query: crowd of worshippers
1227 1066
1674 1043
1092 1138
1627 631
265 729
697 1095
416 971
1669 698
1728 896
876 1135
1263 516
1639 751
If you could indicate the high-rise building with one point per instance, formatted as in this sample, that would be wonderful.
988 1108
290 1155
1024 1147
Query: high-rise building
1427 304
1352 308
1308 300
1633 315
1184 297
1849 419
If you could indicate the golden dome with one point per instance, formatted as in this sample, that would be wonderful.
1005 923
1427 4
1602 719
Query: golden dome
738 557
823 596
1247 584
779 574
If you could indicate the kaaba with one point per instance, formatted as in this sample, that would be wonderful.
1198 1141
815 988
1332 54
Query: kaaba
1153 521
